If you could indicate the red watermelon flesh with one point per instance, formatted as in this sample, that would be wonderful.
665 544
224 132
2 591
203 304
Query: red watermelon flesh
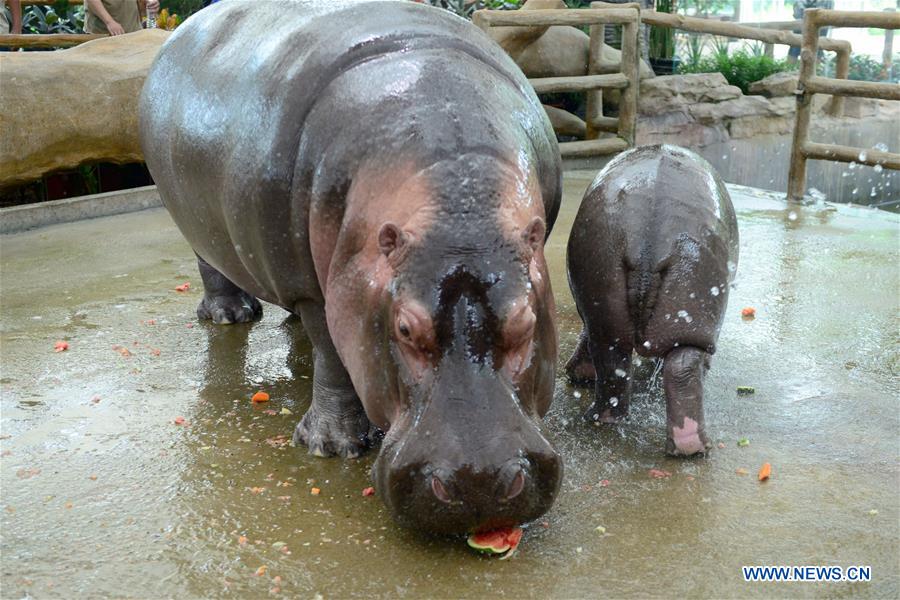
496 541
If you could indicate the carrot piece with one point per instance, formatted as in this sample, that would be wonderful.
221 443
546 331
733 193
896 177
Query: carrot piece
260 397
179 421
183 287
748 312
765 471
369 491
60 346
315 491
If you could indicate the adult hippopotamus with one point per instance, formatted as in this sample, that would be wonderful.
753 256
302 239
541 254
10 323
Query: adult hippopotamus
384 171
651 255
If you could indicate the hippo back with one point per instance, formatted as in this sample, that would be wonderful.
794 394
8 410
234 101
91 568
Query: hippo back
224 115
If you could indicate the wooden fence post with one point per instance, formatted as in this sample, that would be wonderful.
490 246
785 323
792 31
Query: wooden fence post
808 51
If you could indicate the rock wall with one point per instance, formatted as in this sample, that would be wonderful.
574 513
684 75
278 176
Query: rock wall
68 107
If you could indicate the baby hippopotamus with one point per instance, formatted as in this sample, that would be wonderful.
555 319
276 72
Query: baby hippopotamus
651 255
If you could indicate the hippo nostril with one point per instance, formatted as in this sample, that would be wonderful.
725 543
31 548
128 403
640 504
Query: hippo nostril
439 490
516 485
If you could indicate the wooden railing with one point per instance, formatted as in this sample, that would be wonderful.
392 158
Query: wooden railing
625 79
810 84
770 36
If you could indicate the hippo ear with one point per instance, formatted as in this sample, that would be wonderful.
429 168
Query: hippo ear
534 234
391 239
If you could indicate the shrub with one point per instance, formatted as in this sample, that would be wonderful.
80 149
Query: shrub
863 68
740 68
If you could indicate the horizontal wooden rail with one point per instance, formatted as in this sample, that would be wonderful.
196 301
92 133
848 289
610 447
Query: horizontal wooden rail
48 2
608 124
725 28
849 154
558 16
48 40
849 18
851 87
580 83
590 148
787 25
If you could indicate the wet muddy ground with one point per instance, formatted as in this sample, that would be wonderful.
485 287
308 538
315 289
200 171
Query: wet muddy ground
103 495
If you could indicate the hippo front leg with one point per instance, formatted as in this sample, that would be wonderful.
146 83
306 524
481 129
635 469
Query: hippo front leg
223 302
612 364
335 423
683 374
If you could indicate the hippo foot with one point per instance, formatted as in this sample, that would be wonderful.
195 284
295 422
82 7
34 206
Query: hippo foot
344 435
580 371
225 310
688 440
609 415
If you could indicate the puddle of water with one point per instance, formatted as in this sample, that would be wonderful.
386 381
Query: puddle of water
102 494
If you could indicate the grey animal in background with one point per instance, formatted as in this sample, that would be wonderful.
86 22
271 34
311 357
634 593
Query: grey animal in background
651 255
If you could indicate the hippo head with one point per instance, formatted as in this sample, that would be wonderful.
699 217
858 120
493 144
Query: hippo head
468 341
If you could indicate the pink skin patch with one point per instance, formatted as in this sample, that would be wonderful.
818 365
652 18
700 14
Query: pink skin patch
687 438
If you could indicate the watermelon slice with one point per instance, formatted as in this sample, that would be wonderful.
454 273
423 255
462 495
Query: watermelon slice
498 541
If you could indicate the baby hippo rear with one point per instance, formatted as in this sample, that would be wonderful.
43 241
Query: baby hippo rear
651 255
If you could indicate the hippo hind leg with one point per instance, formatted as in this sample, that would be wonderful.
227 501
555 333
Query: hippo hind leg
336 423
223 302
683 373
612 363
580 368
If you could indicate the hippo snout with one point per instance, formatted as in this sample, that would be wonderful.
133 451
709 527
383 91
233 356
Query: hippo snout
474 494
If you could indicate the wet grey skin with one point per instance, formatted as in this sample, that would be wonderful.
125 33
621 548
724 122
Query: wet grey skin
384 171
651 256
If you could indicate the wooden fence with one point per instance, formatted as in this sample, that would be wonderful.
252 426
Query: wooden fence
811 84
625 79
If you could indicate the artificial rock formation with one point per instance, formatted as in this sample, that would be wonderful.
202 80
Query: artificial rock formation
68 107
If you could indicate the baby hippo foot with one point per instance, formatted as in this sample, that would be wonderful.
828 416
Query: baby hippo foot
687 440
580 369
606 412
224 310
328 434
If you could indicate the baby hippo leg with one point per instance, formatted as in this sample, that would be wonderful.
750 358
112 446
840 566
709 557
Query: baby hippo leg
683 374
613 385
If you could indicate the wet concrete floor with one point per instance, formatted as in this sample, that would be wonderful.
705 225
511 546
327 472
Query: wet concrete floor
103 495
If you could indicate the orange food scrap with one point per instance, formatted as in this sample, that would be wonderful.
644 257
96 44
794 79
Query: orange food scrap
155 351
242 540
183 287
256 490
60 346
261 571
659 474
742 471
765 471
122 350
315 491
179 421
93 478
748 312
369 491
260 397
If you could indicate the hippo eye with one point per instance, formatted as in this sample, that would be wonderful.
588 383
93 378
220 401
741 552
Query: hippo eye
404 330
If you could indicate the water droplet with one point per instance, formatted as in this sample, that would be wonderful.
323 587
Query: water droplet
854 190
577 394
852 166
620 373
647 345
595 416
731 267
880 146
792 216
862 156
682 313
693 295
714 290
613 401
878 168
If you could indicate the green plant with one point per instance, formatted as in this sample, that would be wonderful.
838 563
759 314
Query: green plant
703 8
863 68
59 18
740 68
692 52
183 8
662 39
